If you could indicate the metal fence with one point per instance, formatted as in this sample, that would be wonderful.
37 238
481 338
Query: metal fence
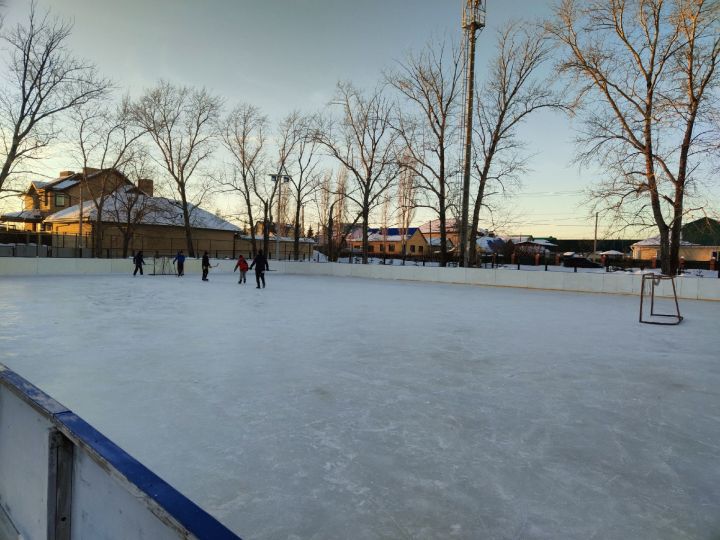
46 244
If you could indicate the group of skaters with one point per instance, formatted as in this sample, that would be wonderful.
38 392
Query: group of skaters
259 262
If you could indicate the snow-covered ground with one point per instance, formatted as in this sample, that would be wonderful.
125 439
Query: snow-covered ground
348 408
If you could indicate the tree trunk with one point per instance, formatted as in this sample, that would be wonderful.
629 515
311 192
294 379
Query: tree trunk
296 240
365 217
186 223
443 241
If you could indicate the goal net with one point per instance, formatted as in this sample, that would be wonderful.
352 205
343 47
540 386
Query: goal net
163 266
658 300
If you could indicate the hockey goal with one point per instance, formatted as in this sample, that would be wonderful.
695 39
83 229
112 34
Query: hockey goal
163 266
651 282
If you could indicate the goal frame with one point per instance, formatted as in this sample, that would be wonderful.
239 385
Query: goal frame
655 280
163 266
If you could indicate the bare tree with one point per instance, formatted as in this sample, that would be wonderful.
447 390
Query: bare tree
243 135
644 73
364 143
306 180
108 140
406 201
268 188
130 207
430 83
182 123
512 92
44 79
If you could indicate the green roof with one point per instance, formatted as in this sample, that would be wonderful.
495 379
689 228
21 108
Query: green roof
703 231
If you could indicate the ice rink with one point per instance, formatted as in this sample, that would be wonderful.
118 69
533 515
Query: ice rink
329 408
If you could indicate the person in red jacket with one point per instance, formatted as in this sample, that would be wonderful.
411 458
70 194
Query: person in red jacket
242 265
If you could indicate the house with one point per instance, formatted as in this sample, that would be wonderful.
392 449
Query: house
431 231
392 241
528 245
42 199
132 219
699 241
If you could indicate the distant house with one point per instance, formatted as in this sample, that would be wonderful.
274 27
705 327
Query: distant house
42 199
700 241
132 218
531 246
392 241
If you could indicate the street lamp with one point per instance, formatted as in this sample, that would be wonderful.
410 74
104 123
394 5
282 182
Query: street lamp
284 179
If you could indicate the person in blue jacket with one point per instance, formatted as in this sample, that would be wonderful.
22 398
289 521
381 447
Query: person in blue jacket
180 260
260 263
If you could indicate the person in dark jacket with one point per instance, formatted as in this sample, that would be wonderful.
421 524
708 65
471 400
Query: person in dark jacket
260 263
180 260
205 266
139 261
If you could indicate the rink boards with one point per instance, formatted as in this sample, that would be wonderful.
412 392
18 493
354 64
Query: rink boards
61 479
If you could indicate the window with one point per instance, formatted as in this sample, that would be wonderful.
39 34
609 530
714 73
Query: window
420 248
370 248
60 199
382 247
412 249
391 247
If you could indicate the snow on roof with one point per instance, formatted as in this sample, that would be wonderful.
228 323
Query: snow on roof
22 215
655 241
434 226
156 210
488 243
38 184
70 182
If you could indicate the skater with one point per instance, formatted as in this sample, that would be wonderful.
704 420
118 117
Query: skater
241 265
180 260
205 266
139 261
260 263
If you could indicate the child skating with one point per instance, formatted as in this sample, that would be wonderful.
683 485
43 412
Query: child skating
241 265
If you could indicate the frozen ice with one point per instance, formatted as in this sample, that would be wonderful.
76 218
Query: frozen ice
347 408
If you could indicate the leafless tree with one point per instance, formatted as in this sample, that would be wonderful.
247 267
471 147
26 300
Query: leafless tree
431 83
306 178
645 75
243 135
130 207
43 80
406 201
182 123
268 189
107 140
513 91
364 143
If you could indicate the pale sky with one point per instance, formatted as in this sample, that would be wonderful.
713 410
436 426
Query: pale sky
285 55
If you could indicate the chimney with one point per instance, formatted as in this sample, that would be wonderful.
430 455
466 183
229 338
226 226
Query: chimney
146 186
65 174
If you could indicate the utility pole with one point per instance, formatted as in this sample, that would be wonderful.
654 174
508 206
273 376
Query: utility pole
473 20
595 241
280 179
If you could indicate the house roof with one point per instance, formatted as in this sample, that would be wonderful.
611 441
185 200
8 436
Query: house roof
655 242
434 226
23 215
381 232
161 211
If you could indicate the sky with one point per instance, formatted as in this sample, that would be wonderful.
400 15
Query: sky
285 55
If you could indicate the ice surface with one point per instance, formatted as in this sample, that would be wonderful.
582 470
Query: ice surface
347 408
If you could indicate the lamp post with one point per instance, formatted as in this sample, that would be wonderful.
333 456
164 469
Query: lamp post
283 178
